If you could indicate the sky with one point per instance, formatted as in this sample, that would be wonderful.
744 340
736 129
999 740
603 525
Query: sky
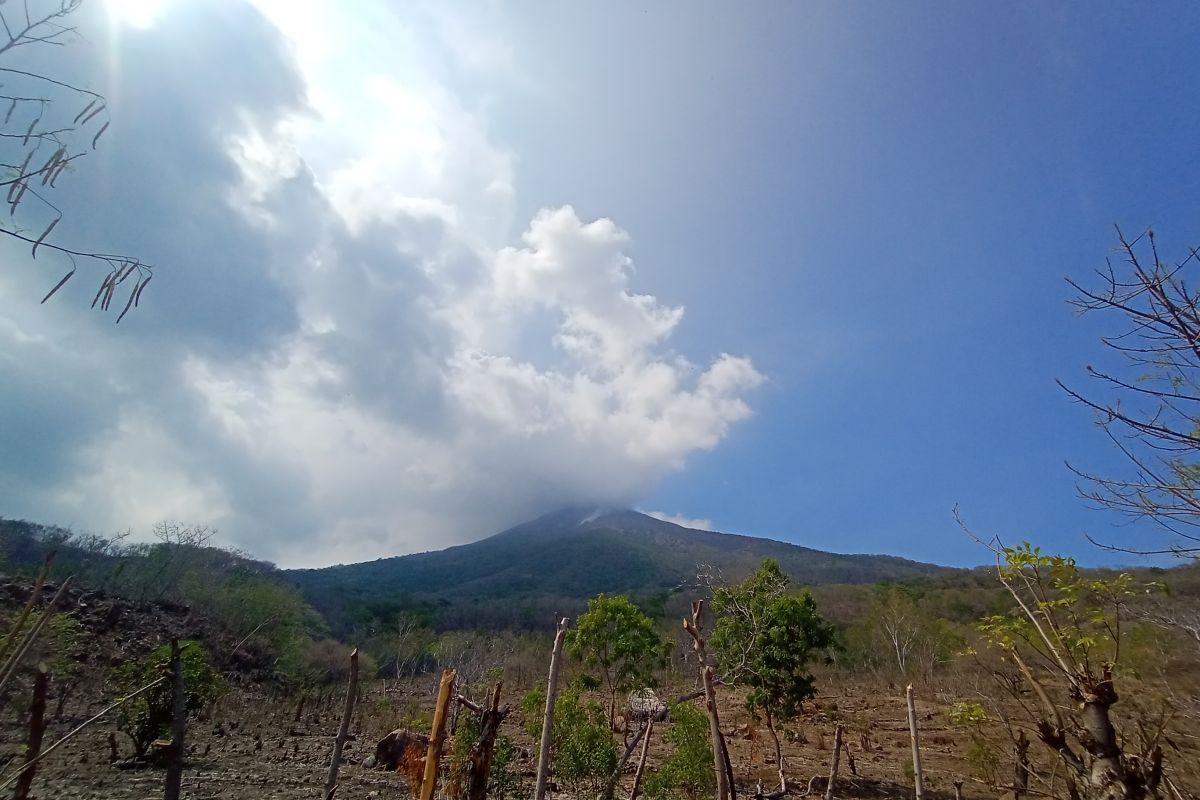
424 271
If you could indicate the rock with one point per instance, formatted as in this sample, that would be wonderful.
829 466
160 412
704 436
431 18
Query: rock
400 748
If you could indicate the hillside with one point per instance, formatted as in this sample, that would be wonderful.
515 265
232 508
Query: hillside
525 575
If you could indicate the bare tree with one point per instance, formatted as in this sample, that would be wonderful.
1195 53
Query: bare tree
49 124
1150 409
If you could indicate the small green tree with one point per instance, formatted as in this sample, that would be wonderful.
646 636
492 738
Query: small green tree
585 756
616 637
584 753
148 716
764 639
1063 635
687 772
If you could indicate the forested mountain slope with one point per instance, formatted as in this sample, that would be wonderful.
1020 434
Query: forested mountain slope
523 576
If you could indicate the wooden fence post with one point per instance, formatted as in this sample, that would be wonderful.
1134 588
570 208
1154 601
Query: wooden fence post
437 735
1021 778
347 714
641 766
14 660
37 729
71 734
11 638
543 768
178 725
833 766
918 779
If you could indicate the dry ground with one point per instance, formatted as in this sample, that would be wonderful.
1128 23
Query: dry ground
249 747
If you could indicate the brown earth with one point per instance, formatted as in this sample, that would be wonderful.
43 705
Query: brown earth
249 746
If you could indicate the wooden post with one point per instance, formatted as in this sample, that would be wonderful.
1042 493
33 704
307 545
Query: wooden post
437 735
31 636
721 764
641 767
833 765
958 795
543 768
178 725
70 735
918 778
18 626
1021 778
480 767
37 728
347 714
300 706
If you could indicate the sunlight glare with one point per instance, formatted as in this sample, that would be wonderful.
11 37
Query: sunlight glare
140 14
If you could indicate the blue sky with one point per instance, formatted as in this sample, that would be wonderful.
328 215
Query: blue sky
425 271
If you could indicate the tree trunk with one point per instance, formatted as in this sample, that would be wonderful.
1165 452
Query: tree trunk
778 753
721 764
543 768
481 752
1107 779
37 729
612 709
339 743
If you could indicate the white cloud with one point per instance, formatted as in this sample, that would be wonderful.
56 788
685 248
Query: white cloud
421 380
699 524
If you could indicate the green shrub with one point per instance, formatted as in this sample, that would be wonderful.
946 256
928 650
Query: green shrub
967 714
533 708
147 717
506 780
688 771
459 757
585 756
980 752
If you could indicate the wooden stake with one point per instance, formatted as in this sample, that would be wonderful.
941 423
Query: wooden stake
70 735
1021 778
833 765
31 636
178 726
641 767
437 736
958 795
34 596
918 778
37 728
543 768
335 759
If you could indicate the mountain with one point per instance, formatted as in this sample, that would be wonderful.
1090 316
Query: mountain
524 576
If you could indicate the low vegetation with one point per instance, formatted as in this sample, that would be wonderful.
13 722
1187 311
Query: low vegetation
1019 675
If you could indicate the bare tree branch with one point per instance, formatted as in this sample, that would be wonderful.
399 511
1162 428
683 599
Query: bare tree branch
1150 413
48 125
